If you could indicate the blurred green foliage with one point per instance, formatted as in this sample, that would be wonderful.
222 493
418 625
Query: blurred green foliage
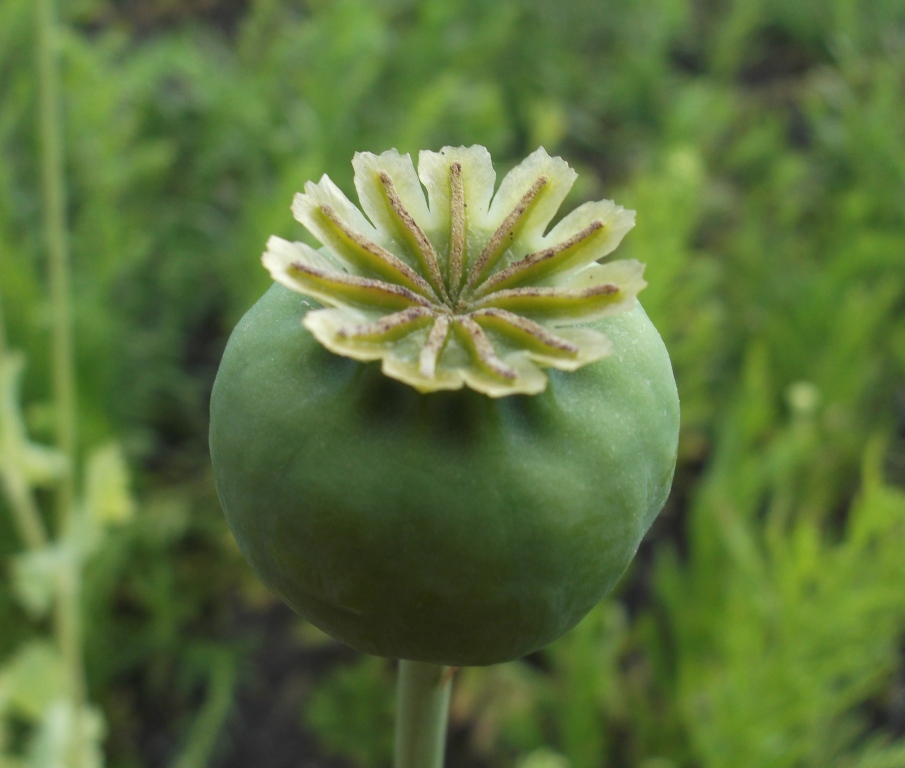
762 143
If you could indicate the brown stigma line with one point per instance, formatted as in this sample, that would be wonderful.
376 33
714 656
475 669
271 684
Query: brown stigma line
496 246
385 326
427 254
516 325
543 263
376 259
484 349
433 348
457 228
362 291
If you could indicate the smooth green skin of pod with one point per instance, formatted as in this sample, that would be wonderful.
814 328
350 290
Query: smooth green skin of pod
449 527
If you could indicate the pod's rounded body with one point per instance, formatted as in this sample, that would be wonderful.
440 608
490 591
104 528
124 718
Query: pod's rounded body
447 527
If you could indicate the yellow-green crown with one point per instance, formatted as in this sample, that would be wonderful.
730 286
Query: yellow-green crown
463 287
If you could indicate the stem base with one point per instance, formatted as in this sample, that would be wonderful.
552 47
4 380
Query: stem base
422 709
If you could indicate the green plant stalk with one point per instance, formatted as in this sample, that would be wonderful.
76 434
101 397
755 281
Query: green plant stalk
202 738
422 709
54 193
67 619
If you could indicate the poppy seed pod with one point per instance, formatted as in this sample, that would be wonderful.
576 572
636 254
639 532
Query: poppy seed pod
470 499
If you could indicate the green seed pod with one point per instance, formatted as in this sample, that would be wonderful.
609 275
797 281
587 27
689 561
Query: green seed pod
470 500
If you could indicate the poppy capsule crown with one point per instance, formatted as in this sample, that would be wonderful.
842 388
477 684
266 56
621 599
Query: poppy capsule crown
464 287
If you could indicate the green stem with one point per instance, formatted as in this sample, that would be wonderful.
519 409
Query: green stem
54 190
67 618
422 708
68 633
